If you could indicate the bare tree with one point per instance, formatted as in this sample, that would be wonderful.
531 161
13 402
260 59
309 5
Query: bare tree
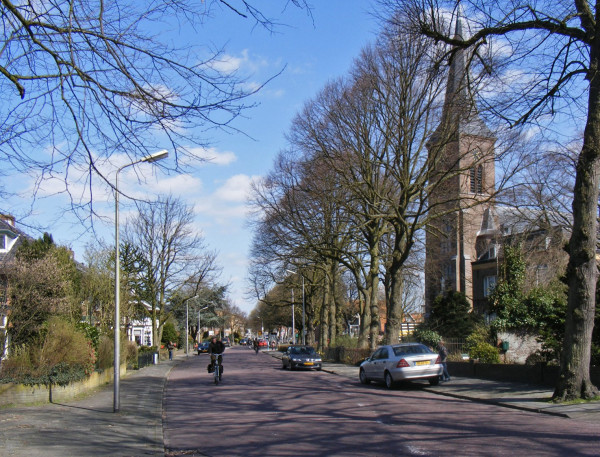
173 254
551 47
84 80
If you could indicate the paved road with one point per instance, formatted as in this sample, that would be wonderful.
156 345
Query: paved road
260 410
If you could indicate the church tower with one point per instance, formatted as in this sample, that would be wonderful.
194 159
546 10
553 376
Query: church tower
461 151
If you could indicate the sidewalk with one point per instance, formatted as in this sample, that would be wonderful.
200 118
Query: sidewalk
511 395
89 426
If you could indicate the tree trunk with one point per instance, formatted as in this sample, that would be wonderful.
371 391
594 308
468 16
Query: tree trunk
395 309
324 327
373 286
155 340
310 328
333 327
574 381
365 321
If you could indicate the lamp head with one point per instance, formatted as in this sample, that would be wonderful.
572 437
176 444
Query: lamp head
156 156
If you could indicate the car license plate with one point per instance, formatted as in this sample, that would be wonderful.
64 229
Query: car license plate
422 362
308 363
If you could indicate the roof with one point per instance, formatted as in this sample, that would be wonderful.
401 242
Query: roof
460 115
517 220
13 232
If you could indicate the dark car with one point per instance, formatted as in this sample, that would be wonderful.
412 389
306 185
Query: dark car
297 357
203 347
401 362
226 341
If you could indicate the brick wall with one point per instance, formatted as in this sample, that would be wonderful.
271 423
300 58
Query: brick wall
19 394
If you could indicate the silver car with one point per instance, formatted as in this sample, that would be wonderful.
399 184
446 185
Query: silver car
399 362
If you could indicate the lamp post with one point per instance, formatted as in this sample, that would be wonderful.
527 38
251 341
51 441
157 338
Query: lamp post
199 338
293 313
293 319
117 327
303 309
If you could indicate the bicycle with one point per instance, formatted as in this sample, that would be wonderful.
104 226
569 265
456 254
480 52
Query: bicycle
217 367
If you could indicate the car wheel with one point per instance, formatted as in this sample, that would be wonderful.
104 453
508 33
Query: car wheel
363 377
434 381
283 367
389 382
291 367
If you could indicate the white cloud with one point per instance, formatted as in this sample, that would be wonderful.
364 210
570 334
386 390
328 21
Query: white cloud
183 184
214 156
229 64
235 189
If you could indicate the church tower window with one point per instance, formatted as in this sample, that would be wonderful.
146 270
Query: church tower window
477 179
476 173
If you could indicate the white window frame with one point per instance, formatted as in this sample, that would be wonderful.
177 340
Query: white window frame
489 283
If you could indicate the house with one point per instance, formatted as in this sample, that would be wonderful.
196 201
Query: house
140 330
10 239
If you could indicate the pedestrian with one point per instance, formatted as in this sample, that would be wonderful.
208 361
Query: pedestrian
170 347
443 352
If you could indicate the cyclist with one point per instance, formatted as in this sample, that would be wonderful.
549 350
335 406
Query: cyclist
216 349
256 347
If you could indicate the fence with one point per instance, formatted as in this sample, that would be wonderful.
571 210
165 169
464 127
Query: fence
145 359
455 345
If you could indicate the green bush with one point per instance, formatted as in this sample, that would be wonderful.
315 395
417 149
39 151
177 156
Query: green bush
106 352
485 353
346 341
131 352
66 344
169 333
20 364
65 355
427 336
91 332
451 315
481 334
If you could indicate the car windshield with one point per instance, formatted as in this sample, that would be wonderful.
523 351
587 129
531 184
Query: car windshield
412 349
306 351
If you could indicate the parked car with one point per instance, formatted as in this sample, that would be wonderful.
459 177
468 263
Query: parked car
301 357
262 343
226 341
203 347
400 362
244 341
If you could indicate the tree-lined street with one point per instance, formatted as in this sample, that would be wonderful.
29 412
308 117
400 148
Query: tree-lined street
260 409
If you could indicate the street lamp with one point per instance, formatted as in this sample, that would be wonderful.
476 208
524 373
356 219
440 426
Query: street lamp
199 322
293 313
293 319
117 327
303 309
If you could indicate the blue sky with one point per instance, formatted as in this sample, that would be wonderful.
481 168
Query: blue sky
312 55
